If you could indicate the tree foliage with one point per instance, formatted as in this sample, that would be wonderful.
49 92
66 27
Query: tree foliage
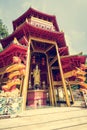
3 30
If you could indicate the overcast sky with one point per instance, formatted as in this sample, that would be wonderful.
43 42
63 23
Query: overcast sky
71 17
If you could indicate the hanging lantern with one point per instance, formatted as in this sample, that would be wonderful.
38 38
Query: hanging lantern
33 60
43 61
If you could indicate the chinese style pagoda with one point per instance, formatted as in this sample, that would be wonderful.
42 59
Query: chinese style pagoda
41 47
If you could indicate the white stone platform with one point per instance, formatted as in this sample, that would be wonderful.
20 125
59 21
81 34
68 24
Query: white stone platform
51 118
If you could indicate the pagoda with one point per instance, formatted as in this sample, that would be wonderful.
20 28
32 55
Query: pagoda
40 45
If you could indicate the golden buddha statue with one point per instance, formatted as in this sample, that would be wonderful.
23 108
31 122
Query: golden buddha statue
36 75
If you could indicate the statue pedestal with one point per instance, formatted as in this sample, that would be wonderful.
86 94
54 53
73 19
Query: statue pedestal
36 98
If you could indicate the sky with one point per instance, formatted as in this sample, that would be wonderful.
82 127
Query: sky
71 17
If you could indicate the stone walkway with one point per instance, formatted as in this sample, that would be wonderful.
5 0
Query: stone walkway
53 118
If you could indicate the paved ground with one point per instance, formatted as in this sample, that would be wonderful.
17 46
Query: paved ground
56 118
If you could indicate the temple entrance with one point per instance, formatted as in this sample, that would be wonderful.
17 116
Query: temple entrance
39 60
43 64
38 81
44 74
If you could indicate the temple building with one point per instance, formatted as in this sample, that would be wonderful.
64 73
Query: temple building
44 56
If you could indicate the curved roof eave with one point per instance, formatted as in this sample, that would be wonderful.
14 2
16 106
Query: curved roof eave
9 38
31 11
70 62
10 47
81 58
63 51
29 28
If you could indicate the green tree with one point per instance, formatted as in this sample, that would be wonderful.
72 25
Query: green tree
3 30
1 48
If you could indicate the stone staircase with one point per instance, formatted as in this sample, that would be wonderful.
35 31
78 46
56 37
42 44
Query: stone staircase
51 118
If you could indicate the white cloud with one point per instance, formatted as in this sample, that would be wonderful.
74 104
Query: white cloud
81 2
26 4
78 35
39 5
1 13
69 44
75 41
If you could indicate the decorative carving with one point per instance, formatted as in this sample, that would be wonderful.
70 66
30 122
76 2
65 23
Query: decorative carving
14 72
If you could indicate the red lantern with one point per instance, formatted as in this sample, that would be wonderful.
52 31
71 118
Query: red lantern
33 60
43 61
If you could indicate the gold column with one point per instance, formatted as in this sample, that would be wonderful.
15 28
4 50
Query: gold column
25 85
58 94
21 85
72 97
50 83
53 90
62 77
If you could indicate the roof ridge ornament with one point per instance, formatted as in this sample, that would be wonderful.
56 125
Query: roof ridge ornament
26 20
15 41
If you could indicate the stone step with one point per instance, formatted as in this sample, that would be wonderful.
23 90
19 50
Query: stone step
47 119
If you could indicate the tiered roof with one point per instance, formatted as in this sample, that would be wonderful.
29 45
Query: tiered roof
23 29
32 12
